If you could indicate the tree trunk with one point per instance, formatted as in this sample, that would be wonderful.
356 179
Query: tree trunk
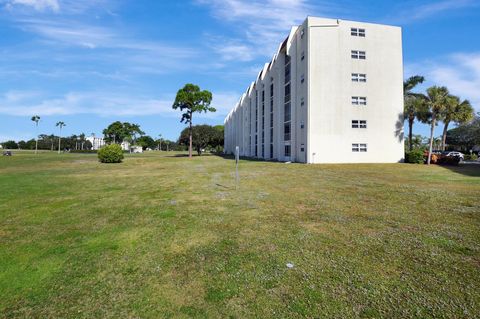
59 144
410 132
36 139
444 135
190 138
432 129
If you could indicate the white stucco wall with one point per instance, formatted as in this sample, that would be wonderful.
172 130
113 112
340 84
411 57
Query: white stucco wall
326 112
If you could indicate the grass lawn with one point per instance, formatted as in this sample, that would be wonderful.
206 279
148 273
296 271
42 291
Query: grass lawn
160 236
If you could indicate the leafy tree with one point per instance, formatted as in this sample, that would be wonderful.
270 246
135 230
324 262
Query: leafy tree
203 136
60 125
466 135
146 141
414 104
36 119
117 132
10 145
190 100
436 100
456 111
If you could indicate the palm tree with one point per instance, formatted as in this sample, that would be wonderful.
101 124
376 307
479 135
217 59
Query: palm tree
455 111
159 142
61 125
36 119
413 103
436 100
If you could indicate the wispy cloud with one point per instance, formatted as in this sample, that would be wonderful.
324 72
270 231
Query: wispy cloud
414 11
26 103
460 72
262 24
38 5
69 7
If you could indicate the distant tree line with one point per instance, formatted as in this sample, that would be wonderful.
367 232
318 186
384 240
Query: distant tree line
50 142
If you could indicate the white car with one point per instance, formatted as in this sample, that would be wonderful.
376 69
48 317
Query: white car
454 154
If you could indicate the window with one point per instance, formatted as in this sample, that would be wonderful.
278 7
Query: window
302 33
359 77
271 150
286 130
359 124
302 101
287 93
356 32
302 125
302 56
288 150
362 55
359 148
288 112
302 78
359 100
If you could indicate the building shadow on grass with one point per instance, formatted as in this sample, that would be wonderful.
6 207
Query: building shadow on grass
467 169
250 159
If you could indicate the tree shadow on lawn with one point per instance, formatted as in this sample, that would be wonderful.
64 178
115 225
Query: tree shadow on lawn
468 169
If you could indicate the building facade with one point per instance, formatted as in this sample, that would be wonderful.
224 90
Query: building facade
333 93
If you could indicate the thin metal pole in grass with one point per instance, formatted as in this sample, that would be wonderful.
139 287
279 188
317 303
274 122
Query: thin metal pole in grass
237 159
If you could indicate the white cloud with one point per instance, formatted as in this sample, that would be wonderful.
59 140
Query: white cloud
263 24
412 11
26 103
39 5
459 72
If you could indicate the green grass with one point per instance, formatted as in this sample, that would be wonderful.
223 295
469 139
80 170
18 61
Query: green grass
160 236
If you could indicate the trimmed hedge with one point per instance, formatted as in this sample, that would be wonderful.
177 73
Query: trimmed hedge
414 157
112 153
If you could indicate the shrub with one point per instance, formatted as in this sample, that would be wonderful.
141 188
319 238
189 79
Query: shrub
472 157
414 157
110 154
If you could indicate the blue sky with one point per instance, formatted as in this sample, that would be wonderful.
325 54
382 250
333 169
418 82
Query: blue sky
91 62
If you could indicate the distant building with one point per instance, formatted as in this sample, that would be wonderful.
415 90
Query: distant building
97 142
333 93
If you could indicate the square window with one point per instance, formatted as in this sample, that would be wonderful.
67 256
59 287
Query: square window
363 124
355 148
363 147
354 124
355 100
363 100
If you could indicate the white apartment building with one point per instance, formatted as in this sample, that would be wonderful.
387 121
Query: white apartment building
333 93
97 142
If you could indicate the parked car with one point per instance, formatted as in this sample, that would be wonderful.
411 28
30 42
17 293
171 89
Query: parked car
7 153
454 154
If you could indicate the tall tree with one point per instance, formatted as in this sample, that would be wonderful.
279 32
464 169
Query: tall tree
60 125
190 100
203 136
436 99
414 106
36 119
456 111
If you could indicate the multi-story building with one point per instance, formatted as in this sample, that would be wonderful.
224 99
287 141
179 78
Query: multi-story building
333 93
